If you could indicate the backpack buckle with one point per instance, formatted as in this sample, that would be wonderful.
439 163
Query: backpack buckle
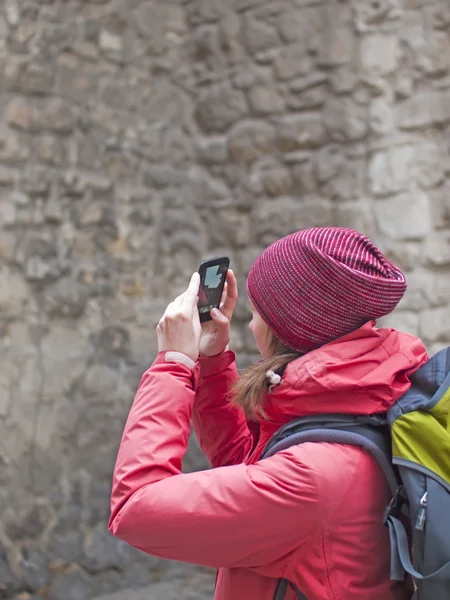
374 420
394 507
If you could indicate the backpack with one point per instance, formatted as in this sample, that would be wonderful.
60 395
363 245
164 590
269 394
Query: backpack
411 444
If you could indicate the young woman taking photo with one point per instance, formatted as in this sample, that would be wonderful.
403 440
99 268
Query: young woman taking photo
313 513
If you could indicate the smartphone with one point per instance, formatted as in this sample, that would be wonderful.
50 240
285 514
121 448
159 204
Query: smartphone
213 274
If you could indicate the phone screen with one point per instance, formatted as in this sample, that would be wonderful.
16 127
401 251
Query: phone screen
212 280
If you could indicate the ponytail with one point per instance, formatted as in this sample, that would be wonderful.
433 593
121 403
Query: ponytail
250 390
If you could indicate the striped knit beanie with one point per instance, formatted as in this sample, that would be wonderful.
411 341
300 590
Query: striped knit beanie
317 285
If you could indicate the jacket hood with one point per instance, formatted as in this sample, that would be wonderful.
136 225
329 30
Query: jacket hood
429 385
365 372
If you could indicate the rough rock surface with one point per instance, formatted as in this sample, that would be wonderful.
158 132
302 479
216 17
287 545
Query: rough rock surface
138 137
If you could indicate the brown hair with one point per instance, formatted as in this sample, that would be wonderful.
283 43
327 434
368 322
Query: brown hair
249 391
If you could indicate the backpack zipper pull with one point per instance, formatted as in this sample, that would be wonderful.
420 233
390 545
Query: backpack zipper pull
421 515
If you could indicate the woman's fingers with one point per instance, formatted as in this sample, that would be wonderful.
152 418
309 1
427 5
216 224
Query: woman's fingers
179 329
190 297
229 303
185 302
219 318
224 293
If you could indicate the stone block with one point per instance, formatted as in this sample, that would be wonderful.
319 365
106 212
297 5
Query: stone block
31 524
162 176
438 290
434 56
421 286
110 42
8 212
197 586
250 140
356 214
74 83
21 115
274 218
276 181
219 108
71 584
258 36
32 566
38 79
430 163
372 16
337 46
23 75
9 583
60 116
12 12
440 203
36 181
305 180
406 321
390 171
405 216
292 61
425 108
77 183
437 249
14 293
410 257
381 117
39 270
204 11
103 551
435 324
67 299
328 162
299 132
67 547
437 14
344 119
13 149
303 25
51 150
378 54
7 176
310 99
265 100
7 246
308 92
343 79
348 184
212 151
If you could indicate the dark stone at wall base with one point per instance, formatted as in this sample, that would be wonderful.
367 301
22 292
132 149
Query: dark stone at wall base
72 584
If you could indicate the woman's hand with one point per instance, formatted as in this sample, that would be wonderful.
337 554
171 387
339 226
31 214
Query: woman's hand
179 329
216 333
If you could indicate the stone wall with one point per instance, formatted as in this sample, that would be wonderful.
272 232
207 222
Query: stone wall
138 137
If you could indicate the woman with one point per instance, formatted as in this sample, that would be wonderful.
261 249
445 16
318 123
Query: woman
312 513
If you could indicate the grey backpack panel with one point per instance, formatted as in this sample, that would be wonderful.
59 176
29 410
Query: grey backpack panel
428 501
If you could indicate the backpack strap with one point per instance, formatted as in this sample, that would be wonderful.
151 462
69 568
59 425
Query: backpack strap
400 557
367 432
282 589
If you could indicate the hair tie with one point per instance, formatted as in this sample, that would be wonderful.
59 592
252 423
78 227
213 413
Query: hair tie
274 379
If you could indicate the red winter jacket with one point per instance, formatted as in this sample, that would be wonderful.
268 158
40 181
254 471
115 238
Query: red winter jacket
311 514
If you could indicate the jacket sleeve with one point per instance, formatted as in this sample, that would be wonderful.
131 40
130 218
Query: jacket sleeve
221 428
238 515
